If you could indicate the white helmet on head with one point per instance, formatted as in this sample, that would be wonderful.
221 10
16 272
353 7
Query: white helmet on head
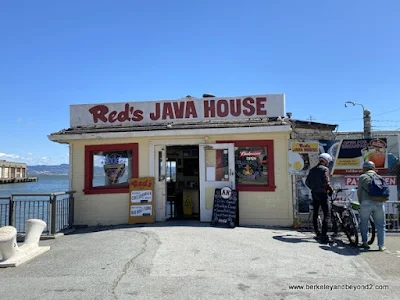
326 157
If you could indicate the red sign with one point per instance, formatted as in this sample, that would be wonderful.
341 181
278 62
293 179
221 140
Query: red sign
353 180
250 153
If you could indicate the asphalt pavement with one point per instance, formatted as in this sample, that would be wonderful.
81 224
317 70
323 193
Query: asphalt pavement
197 261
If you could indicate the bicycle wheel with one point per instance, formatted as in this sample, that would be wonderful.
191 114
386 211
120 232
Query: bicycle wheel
371 231
351 230
334 223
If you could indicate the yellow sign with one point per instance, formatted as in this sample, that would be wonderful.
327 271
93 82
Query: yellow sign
141 200
305 147
348 162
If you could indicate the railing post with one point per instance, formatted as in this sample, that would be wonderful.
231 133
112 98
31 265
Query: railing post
53 212
11 211
71 210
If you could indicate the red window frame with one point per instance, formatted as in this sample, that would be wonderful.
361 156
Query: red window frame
89 151
269 144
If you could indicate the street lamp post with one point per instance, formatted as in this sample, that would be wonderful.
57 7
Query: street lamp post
366 118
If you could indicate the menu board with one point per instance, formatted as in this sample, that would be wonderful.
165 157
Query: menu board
141 202
225 209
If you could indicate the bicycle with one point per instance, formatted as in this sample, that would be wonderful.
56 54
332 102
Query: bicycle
346 212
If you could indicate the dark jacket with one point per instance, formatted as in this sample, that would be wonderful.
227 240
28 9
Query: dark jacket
318 180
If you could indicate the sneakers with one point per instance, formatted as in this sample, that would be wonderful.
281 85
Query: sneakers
383 248
365 246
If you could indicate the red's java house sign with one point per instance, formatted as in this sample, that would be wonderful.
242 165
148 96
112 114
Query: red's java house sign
132 113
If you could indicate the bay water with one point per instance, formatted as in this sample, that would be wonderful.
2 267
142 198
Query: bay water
45 184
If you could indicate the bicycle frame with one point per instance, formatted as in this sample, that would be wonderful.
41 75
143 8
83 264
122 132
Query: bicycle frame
344 215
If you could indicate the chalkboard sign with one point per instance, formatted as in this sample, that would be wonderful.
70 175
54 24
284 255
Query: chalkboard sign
225 209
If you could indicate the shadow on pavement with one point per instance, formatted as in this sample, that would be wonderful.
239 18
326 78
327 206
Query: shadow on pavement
335 245
91 229
341 248
288 238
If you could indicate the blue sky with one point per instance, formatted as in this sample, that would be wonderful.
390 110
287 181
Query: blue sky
319 53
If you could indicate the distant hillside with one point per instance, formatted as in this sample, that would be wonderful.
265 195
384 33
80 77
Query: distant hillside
62 169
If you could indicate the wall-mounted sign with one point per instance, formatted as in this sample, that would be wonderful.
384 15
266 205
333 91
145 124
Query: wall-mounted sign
348 156
305 147
141 210
353 153
141 202
141 196
131 113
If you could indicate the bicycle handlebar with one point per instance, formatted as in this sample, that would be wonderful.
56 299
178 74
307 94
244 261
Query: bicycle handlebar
341 190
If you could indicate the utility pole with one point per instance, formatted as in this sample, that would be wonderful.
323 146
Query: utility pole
367 124
366 119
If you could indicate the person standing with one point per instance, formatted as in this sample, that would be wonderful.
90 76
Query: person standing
370 207
318 180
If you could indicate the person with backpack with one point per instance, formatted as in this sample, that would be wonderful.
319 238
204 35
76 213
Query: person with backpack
372 192
318 181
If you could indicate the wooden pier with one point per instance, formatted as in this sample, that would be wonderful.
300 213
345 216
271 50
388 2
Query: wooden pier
17 180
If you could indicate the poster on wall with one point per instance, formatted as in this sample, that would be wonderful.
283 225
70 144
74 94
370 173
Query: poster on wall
348 156
304 155
353 153
141 202
302 194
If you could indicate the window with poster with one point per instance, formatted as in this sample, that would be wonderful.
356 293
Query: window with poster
108 168
254 165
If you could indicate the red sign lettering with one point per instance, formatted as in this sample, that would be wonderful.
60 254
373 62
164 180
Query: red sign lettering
178 110
101 113
174 110
235 107
353 180
141 183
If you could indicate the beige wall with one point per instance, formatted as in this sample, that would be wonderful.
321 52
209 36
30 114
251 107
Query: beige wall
255 208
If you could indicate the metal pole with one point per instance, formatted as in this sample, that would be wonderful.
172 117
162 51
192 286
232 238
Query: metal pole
53 205
71 210
11 211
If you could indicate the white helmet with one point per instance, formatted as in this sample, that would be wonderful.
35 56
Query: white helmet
326 157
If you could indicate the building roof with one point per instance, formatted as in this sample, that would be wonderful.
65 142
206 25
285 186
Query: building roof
311 124
206 124
360 134
5 163
175 125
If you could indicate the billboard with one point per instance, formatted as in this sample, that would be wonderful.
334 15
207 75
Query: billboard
348 155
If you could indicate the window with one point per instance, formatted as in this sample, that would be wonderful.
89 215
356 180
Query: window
254 165
108 168
171 171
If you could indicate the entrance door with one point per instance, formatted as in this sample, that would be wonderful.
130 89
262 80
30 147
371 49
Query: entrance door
217 170
160 185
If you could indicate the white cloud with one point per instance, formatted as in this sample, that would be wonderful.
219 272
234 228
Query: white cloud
8 156
32 159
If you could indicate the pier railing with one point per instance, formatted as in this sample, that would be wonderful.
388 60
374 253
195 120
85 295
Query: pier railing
56 209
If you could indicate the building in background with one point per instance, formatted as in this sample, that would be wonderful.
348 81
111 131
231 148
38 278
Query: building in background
10 170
